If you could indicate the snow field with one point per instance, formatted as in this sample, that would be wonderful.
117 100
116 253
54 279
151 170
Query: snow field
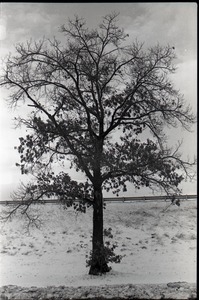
158 247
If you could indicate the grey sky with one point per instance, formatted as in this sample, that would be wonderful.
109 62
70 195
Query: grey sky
165 23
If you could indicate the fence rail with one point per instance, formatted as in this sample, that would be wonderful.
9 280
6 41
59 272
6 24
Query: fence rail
112 199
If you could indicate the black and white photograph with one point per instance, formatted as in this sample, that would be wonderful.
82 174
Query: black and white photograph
98 155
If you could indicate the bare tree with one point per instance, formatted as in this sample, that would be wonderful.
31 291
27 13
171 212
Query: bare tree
93 100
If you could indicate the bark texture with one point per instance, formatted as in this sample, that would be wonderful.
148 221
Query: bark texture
98 263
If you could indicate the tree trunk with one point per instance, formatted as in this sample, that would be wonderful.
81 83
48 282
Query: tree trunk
98 262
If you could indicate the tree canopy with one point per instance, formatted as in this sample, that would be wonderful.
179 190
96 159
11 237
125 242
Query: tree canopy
85 89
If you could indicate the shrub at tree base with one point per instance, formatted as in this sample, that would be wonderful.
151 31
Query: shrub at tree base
103 256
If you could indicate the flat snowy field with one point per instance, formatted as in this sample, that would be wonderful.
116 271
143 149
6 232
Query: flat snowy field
158 246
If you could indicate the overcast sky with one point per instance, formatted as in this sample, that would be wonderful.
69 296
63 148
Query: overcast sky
151 23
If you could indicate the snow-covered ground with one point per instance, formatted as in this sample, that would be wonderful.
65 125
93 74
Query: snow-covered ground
158 247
